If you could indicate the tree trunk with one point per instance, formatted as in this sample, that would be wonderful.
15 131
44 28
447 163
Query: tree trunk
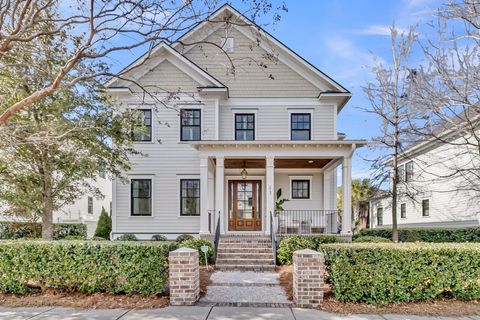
47 220
47 214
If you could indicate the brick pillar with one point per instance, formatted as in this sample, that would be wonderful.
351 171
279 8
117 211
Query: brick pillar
184 277
308 278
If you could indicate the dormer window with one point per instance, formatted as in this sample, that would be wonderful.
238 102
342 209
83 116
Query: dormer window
227 44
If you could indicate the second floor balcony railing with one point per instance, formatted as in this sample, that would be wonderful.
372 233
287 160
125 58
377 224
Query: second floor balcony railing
305 222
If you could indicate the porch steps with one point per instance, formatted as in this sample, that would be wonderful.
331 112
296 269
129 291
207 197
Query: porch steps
245 253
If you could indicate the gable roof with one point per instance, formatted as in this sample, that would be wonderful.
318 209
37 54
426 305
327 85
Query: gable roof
182 62
308 70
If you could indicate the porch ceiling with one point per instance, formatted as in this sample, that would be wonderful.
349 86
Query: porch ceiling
279 163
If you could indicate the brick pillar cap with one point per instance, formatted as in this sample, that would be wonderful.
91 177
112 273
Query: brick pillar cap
306 252
185 249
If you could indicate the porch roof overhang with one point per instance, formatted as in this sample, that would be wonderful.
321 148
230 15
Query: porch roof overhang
279 149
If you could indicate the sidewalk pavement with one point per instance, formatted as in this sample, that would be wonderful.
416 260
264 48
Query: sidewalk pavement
197 313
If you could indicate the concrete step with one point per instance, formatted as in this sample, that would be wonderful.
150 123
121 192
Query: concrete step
244 267
245 255
244 250
245 244
250 261
246 296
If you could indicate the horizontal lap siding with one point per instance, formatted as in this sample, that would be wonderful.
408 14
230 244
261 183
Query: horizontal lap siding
250 79
168 161
282 180
273 122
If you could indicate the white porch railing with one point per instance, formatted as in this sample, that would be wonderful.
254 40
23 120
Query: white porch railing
304 222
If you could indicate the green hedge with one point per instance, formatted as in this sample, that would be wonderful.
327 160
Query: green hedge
384 273
86 266
427 234
289 244
371 239
18 230
197 244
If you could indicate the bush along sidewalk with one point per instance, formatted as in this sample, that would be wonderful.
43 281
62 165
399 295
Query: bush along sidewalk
18 230
85 266
290 244
426 234
379 273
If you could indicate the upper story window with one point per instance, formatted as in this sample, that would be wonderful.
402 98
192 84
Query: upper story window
379 216
144 130
141 197
409 171
244 126
300 189
401 173
403 211
425 208
190 126
90 205
189 197
300 126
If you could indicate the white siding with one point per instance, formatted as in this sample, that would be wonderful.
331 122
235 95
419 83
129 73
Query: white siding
283 180
273 121
271 79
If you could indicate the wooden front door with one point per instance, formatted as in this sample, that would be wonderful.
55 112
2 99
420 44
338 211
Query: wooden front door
244 205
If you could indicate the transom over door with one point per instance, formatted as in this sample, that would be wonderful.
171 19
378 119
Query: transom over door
244 205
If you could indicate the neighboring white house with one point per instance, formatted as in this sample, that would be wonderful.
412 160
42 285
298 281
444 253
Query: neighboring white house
226 144
85 210
433 190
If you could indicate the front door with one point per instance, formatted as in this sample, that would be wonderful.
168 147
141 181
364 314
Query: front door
244 205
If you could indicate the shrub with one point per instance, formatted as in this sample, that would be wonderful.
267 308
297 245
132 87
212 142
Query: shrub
427 234
104 225
184 237
380 273
159 237
86 266
19 230
98 238
127 237
196 244
371 239
290 244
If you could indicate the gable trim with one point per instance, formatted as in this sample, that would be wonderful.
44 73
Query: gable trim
183 63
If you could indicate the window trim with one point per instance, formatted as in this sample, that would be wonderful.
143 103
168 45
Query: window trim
404 205
377 215
303 113
180 125
423 208
301 178
199 197
151 125
235 125
131 196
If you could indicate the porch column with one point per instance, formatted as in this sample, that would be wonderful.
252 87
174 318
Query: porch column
204 195
347 195
269 190
330 199
219 193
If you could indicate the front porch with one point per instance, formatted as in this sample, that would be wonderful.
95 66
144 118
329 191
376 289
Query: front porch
241 182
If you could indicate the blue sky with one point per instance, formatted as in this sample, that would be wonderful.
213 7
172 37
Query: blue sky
343 38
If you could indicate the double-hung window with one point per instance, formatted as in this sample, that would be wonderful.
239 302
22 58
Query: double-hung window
141 197
300 189
403 210
190 197
143 130
425 208
379 216
90 205
190 123
300 126
409 171
244 126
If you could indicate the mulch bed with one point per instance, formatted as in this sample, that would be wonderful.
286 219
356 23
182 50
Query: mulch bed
447 307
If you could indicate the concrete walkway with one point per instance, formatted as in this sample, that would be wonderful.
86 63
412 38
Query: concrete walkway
244 289
197 313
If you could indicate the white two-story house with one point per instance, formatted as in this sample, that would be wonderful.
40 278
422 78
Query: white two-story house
220 142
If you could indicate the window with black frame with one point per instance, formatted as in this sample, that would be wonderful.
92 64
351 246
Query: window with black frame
143 130
189 197
190 122
300 189
300 126
245 126
141 197
425 208
379 216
